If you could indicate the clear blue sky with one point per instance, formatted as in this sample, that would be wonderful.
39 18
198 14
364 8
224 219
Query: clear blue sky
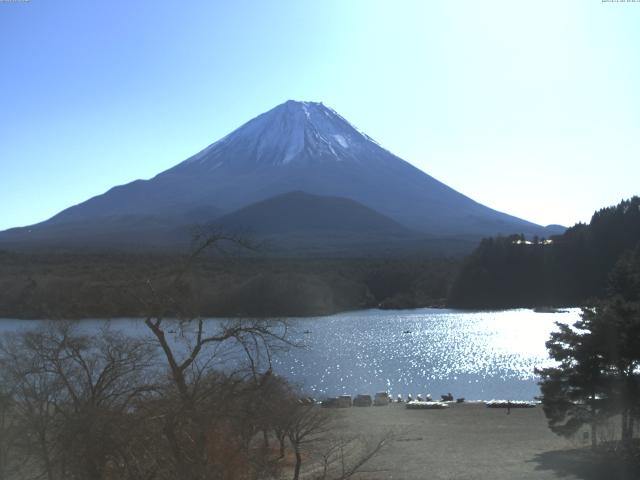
529 107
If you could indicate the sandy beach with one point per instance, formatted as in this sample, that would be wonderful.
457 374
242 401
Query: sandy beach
470 441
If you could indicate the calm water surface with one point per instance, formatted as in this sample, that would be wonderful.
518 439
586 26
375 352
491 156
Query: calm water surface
476 355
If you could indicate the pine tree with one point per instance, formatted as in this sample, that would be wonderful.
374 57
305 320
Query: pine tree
572 391
598 371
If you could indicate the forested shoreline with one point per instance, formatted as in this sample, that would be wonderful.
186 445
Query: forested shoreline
108 286
568 269
502 272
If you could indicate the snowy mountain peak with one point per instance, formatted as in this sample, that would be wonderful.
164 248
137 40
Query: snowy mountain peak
296 146
293 132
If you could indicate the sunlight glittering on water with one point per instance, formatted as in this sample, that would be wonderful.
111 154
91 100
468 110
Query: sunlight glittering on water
476 355
471 354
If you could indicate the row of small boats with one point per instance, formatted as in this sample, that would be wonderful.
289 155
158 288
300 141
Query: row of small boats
345 401
426 405
383 398
509 404
419 402
427 398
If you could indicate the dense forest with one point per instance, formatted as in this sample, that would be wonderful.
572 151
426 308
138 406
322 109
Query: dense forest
110 285
564 270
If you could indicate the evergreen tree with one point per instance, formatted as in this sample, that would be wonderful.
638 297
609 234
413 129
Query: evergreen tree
572 391
597 376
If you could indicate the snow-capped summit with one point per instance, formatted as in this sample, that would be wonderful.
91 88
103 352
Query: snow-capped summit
291 132
297 146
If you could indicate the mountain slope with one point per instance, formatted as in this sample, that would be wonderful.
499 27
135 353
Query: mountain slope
299 212
296 146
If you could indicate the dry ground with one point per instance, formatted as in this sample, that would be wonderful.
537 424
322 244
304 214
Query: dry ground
470 441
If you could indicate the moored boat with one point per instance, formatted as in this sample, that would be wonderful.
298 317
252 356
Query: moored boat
509 404
416 405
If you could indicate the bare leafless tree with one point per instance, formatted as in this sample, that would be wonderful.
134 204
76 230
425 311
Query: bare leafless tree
193 347
73 395
317 434
345 456
8 466
308 424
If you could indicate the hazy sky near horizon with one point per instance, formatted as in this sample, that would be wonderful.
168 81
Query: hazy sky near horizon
531 108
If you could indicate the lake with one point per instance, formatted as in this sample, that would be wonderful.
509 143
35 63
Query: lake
476 355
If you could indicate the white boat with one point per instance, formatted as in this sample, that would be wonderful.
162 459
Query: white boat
509 404
427 405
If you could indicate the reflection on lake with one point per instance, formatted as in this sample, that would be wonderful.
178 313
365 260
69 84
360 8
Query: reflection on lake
476 355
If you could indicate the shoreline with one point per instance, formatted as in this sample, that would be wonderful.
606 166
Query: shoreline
538 309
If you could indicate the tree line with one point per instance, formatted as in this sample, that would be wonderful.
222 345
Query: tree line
564 270
82 285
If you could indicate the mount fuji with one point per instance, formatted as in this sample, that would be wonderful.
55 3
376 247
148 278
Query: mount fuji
302 147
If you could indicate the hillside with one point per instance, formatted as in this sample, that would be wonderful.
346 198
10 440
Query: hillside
570 269
302 212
